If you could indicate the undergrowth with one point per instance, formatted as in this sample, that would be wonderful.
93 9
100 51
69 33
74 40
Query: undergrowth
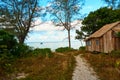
107 66
64 49
56 67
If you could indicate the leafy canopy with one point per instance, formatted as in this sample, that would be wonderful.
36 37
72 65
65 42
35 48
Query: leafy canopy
18 16
113 3
97 19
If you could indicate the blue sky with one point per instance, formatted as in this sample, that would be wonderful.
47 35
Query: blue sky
92 5
48 32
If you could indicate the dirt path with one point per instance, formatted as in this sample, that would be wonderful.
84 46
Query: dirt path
82 70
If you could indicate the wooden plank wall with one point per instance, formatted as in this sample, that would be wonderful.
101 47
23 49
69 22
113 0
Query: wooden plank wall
108 42
96 47
117 43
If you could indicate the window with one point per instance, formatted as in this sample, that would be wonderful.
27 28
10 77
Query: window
88 43
97 42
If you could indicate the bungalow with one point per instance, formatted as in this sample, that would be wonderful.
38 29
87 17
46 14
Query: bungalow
105 40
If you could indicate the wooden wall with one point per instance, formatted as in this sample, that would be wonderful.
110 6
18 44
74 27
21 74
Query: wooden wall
107 43
96 47
117 43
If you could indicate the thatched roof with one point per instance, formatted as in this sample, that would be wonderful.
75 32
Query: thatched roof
103 30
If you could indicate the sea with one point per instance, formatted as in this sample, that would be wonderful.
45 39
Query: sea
54 45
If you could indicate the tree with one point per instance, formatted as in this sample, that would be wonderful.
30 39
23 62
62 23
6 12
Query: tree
63 12
80 36
18 15
95 20
113 3
7 41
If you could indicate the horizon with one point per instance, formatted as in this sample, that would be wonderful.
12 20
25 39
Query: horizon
47 31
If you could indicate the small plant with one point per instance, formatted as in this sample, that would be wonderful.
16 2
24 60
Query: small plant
64 49
117 64
45 52
117 34
82 48
115 54
7 41
22 50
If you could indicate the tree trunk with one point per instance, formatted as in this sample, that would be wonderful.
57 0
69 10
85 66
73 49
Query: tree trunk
21 39
69 39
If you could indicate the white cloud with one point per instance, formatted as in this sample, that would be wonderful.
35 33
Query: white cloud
44 26
49 26
47 31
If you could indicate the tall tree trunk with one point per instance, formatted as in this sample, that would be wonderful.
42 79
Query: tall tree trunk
69 39
21 39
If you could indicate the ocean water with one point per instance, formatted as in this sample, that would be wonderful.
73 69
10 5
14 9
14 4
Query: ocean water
54 45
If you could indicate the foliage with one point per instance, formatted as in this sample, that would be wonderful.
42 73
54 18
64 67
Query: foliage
117 34
6 61
7 41
64 12
97 19
17 16
58 67
82 48
64 49
80 36
45 52
22 50
115 54
113 3
104 65
117 64
7 44
10 50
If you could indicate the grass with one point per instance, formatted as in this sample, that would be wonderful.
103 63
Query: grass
60 66
106 66
57 67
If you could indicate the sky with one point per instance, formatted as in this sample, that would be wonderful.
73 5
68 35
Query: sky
47 32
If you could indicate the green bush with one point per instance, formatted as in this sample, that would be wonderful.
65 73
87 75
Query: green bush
115 54
22 50
64 49
44 52
6 60
82 48
7 45
10 50
7 41
117 34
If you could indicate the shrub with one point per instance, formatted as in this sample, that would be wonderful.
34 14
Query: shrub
117 34
44 52
7 45
10 50
115 54
64 49
82 48
7 41
22 50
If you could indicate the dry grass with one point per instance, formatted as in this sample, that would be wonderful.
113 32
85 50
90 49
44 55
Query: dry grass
58 67
104 65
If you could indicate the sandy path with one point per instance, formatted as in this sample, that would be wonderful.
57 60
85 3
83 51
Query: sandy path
82 70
